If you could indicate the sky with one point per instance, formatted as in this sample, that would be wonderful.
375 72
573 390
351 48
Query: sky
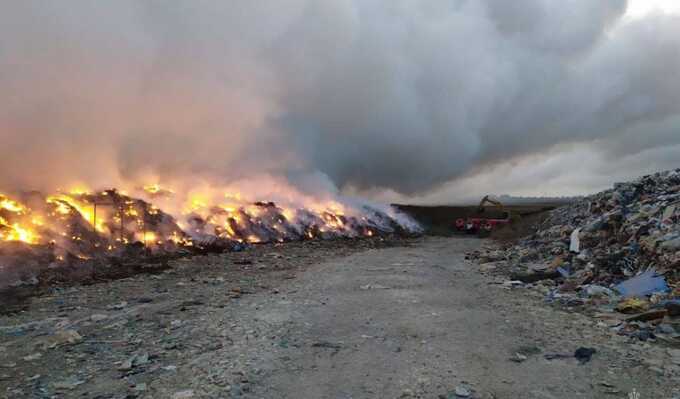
429 102
639 8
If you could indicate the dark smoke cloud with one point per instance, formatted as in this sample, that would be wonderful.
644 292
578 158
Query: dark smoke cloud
396 95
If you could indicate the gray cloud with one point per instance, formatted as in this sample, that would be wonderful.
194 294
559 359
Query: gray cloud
395 95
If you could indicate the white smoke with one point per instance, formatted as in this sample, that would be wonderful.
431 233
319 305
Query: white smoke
373 95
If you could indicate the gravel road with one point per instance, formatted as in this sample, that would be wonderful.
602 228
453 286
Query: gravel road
412 321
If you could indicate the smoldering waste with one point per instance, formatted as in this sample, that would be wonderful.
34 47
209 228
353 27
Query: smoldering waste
39 232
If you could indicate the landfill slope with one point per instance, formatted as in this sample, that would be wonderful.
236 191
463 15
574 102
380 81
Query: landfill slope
616 253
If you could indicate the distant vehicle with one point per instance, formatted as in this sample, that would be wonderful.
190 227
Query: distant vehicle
481 225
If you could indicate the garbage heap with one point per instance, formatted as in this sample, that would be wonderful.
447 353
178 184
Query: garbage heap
616 253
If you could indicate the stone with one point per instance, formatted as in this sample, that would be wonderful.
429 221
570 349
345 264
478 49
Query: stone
64 337
32 357
185 394
462 391
69 383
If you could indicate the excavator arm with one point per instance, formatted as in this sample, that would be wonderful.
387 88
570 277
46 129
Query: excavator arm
487 200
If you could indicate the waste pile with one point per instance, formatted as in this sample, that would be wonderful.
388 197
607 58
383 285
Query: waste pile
615 253
89 230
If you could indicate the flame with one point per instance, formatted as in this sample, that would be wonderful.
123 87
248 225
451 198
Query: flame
11 205
15 232
152 188
156 189
86 210
195 203
79 190
66 220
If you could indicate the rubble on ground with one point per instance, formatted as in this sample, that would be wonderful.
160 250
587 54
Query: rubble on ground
615 254
128 337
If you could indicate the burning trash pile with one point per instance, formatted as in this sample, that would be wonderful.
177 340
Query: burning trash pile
38 230
617 251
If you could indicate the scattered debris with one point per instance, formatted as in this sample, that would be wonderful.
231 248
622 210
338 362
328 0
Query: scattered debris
117 306
554 356
326 344
518 357
575 242
462 391
68 384
583 355
646 283
374 287
632 305
649 316
33 356
98 317
617 250
534 276
64 337
186 394
134 361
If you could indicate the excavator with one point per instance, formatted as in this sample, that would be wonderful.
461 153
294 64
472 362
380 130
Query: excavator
483 225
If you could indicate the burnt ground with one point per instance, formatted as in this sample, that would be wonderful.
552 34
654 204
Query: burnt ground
344 319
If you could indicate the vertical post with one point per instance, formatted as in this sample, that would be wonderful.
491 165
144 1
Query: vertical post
120 210
144 225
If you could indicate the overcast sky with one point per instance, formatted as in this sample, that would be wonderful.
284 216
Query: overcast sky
393 99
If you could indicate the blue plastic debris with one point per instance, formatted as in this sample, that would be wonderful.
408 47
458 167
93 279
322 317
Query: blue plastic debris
646 283
564 271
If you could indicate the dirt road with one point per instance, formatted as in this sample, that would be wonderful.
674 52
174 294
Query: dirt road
414 321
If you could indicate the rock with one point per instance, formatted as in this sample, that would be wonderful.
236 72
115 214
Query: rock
592 290
671 245
126 365
518 358
141 387
462 391
64 337
374 287
134 361
673 307
69 383
534 277
583 355
117 306
664 328
98 317
188 393
33 356
512 284
675 356
648 316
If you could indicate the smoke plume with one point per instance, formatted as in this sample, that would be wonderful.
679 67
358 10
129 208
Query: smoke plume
361 95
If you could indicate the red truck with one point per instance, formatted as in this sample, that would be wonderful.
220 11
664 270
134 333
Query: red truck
483 225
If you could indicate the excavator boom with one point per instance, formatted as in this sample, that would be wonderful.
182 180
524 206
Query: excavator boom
483 225
487 200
